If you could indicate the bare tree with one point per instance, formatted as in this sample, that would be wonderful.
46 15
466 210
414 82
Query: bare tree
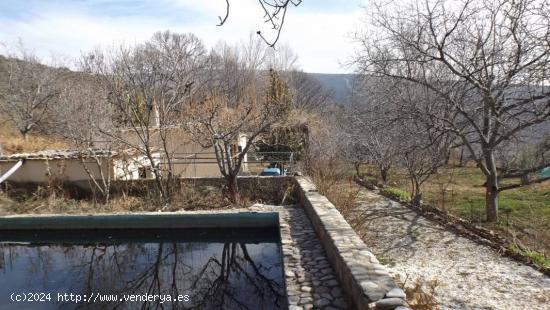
373 125
283 59
274 15
81 115
392 136
486 60
215 123
148 86
422 153
234 69
32 88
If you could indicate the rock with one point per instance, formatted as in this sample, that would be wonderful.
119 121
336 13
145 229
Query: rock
339 302
293 299
322 289
322 302
295 308
396 293
336 292
331 283
326 271
327 277
373 290
390 303
305 300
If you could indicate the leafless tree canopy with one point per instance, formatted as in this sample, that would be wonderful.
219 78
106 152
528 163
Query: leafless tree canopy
217 123
385 134
274 15
486 61
32 89
147 87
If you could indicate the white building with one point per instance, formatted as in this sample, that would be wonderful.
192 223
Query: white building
72 166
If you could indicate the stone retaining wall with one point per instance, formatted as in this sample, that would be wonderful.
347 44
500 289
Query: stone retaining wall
364 279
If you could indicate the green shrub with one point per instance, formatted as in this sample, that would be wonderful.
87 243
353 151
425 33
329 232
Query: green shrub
397 194
371 179
535 257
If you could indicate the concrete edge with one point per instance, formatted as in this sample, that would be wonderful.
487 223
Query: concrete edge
152 220
366 282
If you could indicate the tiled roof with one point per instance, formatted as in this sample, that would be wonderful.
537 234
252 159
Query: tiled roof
61 154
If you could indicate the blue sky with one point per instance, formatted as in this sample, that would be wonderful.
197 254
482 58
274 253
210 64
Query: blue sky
318 30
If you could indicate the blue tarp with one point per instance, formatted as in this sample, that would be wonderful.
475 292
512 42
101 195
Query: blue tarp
271 172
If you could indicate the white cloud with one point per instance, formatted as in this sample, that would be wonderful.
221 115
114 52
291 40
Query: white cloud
318 38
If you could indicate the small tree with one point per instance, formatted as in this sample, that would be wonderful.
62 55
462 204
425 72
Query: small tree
421 156
32 88
147 87
214 123
375 134
81 116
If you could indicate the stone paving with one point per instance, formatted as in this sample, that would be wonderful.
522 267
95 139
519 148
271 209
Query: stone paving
310 280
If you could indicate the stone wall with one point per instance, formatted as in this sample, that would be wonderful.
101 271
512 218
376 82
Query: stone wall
364 279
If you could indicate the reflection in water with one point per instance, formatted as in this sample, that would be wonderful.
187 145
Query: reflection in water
217 271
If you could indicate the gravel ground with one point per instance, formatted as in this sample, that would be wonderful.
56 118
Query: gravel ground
470 275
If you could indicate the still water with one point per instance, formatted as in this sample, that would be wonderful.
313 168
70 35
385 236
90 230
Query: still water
141 269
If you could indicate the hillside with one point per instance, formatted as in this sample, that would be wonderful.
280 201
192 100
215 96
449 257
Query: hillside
341 85
11 141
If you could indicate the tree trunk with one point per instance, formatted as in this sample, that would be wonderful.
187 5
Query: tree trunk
447 157
384 174
357 169
416 199
461 163
525 179
416 194
491 186
491 202
233 188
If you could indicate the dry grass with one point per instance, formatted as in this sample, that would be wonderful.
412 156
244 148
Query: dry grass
204 198
343 194
421 294
54 200
12 142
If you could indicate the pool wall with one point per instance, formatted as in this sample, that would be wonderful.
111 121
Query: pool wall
164 220
363 278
